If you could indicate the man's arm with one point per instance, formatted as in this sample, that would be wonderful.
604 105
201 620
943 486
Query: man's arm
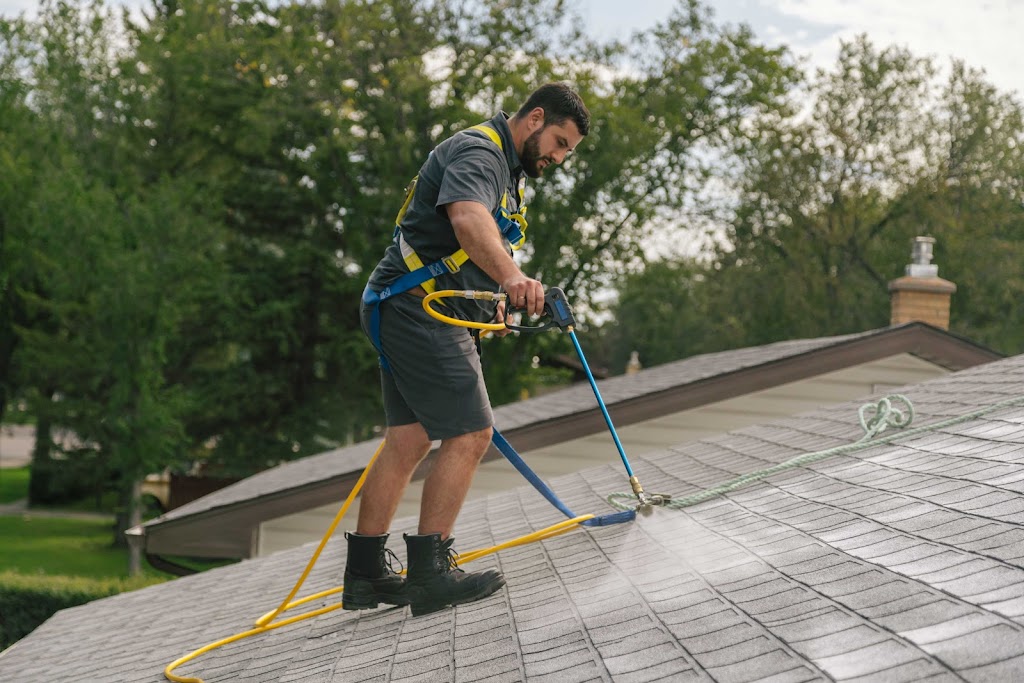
479 237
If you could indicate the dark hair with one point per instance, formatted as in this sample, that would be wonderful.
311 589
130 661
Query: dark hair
559 102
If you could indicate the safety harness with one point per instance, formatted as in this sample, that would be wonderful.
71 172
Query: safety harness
511 225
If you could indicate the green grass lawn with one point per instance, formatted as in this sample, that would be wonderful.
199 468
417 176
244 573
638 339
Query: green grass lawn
36 545
13 484
58 562
62 547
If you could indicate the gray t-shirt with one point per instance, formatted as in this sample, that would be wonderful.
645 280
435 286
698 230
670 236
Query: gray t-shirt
466 167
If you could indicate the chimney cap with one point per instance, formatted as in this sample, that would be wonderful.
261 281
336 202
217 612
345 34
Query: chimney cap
921 258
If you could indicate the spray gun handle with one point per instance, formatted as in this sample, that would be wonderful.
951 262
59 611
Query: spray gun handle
556 309
556 306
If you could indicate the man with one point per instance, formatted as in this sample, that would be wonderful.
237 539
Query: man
431 377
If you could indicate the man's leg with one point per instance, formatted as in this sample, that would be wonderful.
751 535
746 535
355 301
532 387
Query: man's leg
404 447
369 577
433 581
449 480
436 381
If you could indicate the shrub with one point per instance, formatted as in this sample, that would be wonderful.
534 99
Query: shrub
58 481
26 601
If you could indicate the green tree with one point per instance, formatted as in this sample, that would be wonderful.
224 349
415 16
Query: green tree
817 233
121 283
15 122
974 205
310 121
108 271
831 195
281 115
661 312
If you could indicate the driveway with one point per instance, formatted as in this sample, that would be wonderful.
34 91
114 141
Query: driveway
16 443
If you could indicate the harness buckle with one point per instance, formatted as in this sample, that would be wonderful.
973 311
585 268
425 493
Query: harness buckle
450 264
512 226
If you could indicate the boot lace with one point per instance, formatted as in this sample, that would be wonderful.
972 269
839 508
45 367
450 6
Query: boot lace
389 559
449 557
453 566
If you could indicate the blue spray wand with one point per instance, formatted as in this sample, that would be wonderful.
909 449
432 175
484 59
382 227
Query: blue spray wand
556 307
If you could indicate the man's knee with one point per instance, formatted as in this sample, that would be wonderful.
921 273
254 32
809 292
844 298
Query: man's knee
472 444
410 440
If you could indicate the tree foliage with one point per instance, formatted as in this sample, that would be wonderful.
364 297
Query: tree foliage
108 271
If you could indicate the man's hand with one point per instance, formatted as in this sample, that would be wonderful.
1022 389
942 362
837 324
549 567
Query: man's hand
525 292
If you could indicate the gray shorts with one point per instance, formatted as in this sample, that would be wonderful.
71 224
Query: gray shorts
435 376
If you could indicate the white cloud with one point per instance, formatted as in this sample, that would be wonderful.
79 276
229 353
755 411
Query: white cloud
12 8
983 34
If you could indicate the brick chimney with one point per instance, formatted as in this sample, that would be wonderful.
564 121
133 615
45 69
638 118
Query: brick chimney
921 295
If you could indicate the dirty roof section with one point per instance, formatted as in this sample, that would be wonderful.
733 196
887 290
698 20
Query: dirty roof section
900 562
549 407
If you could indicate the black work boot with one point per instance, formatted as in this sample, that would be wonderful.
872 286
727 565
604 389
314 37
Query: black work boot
369 577
435 581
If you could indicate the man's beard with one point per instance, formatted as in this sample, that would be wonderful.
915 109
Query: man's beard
531 156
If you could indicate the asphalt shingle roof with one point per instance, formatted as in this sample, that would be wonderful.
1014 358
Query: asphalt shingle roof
901 562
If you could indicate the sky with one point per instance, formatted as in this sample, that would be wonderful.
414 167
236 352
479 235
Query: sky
984 34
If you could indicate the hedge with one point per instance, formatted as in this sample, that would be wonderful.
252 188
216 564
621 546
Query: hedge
26 601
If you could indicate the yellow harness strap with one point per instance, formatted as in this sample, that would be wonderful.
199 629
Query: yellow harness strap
489 132
455 261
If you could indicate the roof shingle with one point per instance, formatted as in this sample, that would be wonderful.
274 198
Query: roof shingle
901 562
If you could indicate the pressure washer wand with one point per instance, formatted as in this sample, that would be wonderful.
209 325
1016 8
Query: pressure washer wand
634 482
557 307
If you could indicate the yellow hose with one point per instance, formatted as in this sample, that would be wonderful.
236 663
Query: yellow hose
466 294
265 623
262 621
